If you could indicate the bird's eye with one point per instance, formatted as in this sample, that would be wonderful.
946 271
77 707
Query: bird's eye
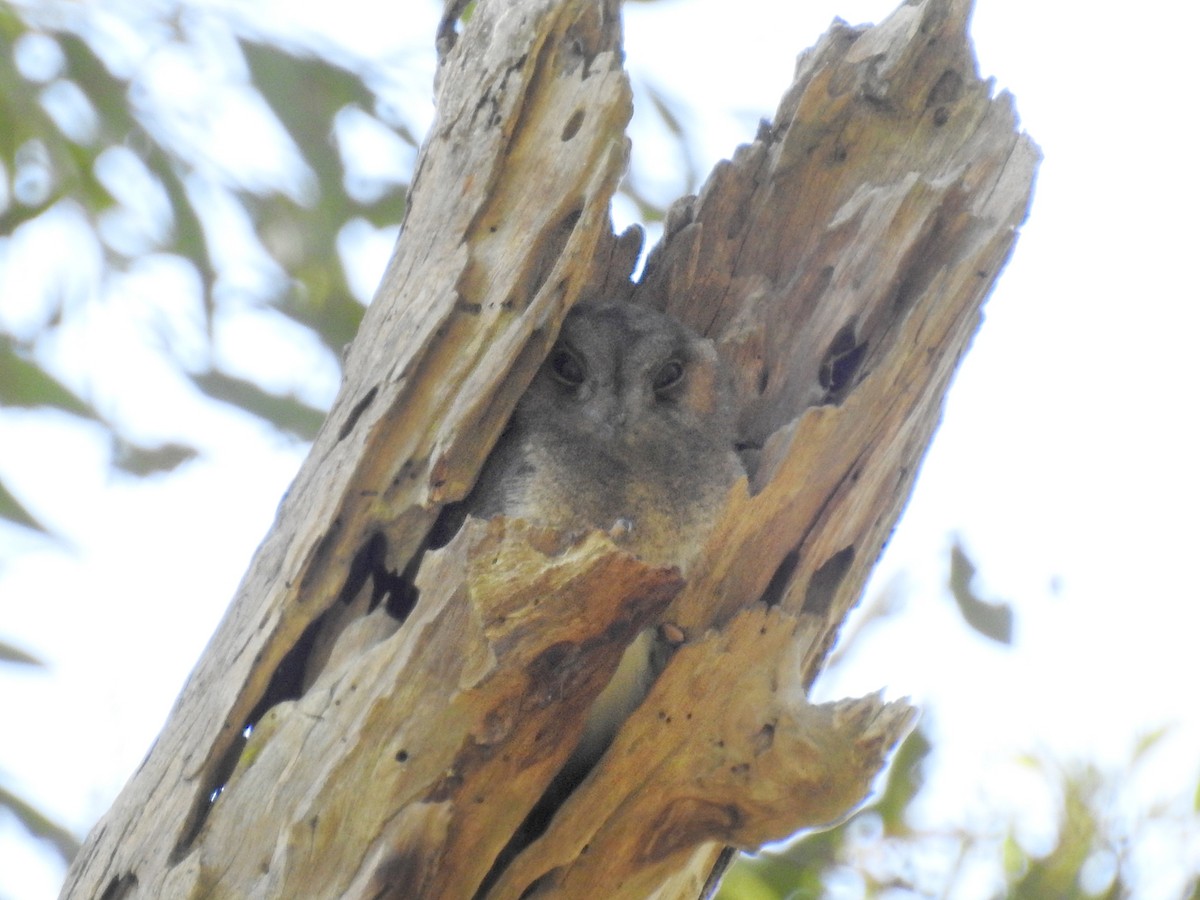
567 367
668 375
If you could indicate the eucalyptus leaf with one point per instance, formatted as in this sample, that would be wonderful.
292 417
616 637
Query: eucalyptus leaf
12 510
24 383
38 824
137 460
286 413
992 620
17 656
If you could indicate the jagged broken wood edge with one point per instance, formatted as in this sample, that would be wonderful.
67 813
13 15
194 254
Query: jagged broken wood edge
513 633
841 261
409 430
729 751
484 271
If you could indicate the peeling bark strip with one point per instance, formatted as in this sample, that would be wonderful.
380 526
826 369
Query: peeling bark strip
405 712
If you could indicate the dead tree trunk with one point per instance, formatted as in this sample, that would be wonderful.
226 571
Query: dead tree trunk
406 717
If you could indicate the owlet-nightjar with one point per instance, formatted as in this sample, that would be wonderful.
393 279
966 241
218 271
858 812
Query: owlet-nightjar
628 427
630 420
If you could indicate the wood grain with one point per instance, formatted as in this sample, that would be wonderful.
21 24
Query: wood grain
407 711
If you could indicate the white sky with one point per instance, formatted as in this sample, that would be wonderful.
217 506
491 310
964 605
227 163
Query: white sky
1067 455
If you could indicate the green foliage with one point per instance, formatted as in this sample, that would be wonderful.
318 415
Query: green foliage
77 107
879 851
285 413
14 511
85 128
40 826
800 870
143 461
37 823
1092 855
17 656
24 383
992 620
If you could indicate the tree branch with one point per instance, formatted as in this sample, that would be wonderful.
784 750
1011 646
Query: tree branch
407 710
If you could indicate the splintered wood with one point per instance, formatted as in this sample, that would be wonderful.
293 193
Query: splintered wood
407 711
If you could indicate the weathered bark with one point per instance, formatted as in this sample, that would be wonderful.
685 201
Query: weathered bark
404 725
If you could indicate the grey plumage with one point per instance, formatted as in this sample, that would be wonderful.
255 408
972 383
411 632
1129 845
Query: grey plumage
630 420
628 427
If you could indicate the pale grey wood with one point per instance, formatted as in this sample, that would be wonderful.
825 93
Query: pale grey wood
839 261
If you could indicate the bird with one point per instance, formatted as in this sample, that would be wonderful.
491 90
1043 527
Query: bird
629 426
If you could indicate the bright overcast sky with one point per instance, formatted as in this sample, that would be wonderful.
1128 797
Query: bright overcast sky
1067 460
